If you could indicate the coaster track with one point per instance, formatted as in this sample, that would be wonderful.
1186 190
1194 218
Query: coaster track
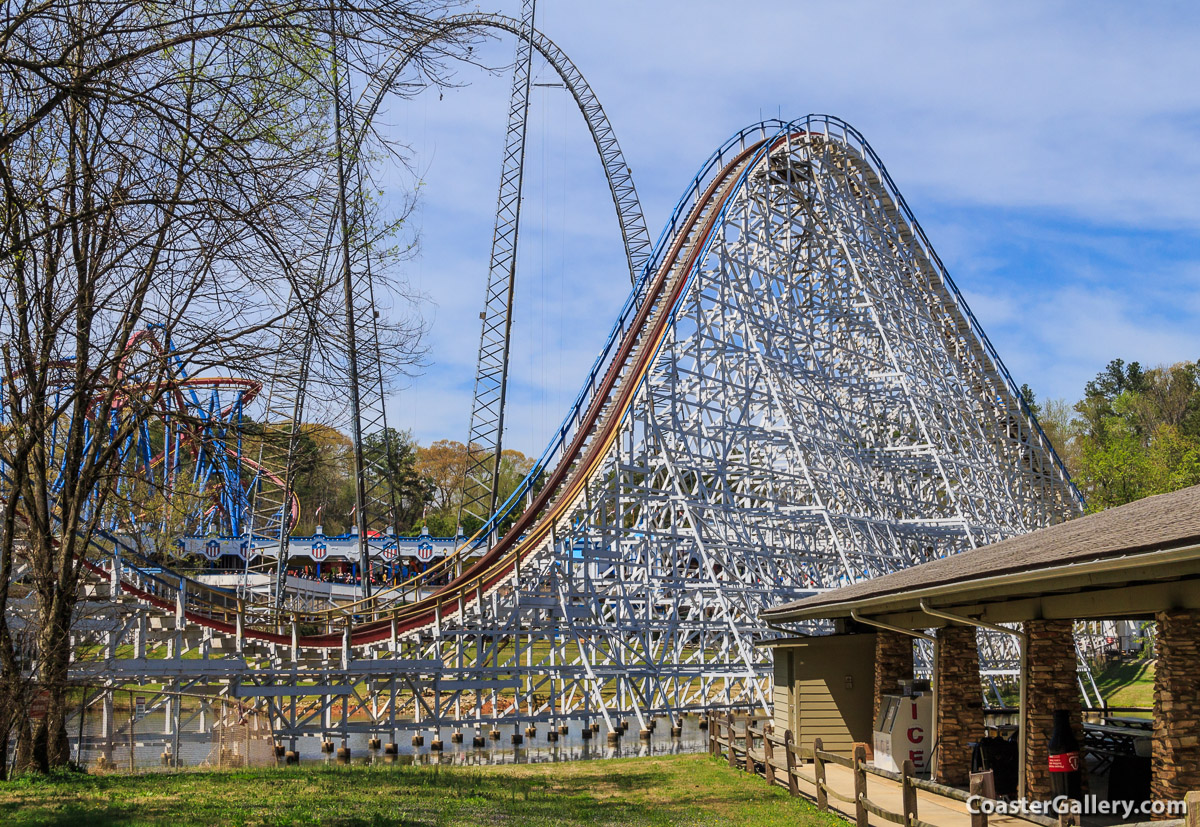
794 396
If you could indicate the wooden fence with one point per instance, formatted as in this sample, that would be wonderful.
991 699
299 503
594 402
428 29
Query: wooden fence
750 743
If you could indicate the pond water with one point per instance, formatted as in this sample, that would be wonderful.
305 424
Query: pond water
196 749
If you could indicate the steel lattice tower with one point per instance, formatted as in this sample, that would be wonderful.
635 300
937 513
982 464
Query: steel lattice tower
486 432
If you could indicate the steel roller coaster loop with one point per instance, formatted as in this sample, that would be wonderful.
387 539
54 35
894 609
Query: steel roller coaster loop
638 248
196 416
202 428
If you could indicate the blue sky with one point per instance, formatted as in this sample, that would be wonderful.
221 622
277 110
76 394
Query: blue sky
1050 150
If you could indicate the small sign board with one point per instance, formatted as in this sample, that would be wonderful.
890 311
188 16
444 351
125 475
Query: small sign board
425 551
37 707
139 706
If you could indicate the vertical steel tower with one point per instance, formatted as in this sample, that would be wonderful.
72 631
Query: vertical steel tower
486 433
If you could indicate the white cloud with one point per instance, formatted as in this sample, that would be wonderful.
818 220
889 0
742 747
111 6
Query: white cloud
1058 339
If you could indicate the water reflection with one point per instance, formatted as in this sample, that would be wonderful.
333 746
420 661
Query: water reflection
193 748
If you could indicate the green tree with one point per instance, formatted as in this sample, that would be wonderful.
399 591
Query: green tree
1137 432
444 465
1116 379
1031 401
392 457
163 165
323 479
1174 459
1114 463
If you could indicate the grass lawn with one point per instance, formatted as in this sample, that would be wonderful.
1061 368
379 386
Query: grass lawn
671 790
1128 684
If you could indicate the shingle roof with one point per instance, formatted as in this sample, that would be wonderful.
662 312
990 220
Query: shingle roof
1159 522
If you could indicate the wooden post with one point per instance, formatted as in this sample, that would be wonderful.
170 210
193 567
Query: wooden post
860 785
712 736
240 624
1022 716
132 727
1192 800
729 735
768 755
983 784
908 793
819 775
746 742
790 760
108 725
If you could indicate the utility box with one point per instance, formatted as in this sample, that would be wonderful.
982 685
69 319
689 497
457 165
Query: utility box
824 687
904 730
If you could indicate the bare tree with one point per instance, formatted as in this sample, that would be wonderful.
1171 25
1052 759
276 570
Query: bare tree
168 187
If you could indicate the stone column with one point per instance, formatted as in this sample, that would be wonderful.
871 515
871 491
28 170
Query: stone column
958 717
1053 684
1176 749
893 663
